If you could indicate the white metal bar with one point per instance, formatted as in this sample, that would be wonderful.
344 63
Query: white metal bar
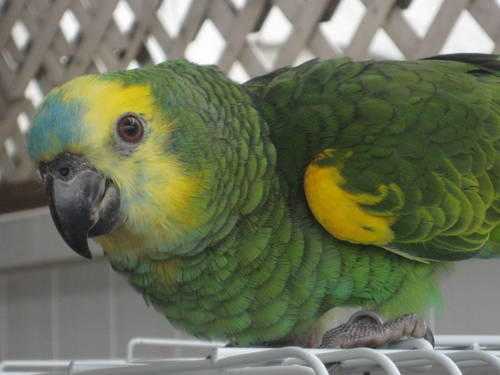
275 354
463 362
68 366
467 340
266 370
33 365
77 367
277 370
168 343
414 355
248 358
254 370
376 357
432 355
467 355
240 360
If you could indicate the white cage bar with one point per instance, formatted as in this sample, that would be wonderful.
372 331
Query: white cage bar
454 355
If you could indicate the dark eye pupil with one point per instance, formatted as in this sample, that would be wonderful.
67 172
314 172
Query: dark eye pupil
130 129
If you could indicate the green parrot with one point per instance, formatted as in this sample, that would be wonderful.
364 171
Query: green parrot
253 212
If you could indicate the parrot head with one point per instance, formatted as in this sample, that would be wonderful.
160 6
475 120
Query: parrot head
140 158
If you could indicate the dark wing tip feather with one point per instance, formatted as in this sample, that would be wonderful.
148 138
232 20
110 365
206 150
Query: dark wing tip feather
487 62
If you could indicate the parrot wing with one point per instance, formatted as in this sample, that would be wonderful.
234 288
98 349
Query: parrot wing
407 157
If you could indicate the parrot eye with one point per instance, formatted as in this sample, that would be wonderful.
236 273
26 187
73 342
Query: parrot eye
130 128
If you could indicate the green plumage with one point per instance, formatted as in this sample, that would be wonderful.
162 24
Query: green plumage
429 126
274 275
261 269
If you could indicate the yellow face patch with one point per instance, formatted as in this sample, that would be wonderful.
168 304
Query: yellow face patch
156 190
106 101
339 211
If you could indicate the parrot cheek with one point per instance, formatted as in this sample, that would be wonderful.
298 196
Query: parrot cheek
83 203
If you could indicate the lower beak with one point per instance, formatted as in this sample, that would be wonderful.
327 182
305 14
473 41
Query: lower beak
83 203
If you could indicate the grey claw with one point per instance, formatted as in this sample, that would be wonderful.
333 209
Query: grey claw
429 336
334 369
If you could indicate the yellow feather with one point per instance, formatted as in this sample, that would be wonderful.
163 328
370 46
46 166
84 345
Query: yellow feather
156 184
340 212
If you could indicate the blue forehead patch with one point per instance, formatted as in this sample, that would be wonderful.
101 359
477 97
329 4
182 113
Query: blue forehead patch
57 124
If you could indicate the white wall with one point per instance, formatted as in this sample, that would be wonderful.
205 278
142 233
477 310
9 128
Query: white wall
54 304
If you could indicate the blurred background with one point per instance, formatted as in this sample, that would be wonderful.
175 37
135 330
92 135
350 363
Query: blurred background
55 305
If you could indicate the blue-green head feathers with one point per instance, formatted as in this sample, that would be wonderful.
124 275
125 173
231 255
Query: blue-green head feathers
57 125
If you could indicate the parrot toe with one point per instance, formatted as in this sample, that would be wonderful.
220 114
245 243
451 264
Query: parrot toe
367 329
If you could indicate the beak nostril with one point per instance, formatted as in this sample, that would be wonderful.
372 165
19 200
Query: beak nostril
64 171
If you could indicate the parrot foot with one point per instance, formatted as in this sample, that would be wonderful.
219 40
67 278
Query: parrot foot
367 329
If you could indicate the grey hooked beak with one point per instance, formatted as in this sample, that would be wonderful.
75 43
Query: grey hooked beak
83 203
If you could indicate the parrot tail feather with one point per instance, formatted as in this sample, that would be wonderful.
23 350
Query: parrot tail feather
489 63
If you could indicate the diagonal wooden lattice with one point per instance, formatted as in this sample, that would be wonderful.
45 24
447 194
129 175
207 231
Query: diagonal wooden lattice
48 53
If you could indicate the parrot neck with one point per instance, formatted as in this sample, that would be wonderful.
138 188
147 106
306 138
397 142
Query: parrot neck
229 283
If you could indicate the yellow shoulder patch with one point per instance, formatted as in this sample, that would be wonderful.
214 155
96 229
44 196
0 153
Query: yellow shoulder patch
340 212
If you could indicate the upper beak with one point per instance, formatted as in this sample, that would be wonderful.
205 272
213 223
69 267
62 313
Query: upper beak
83 203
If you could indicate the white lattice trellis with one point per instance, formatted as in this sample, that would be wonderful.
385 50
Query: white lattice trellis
46 42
